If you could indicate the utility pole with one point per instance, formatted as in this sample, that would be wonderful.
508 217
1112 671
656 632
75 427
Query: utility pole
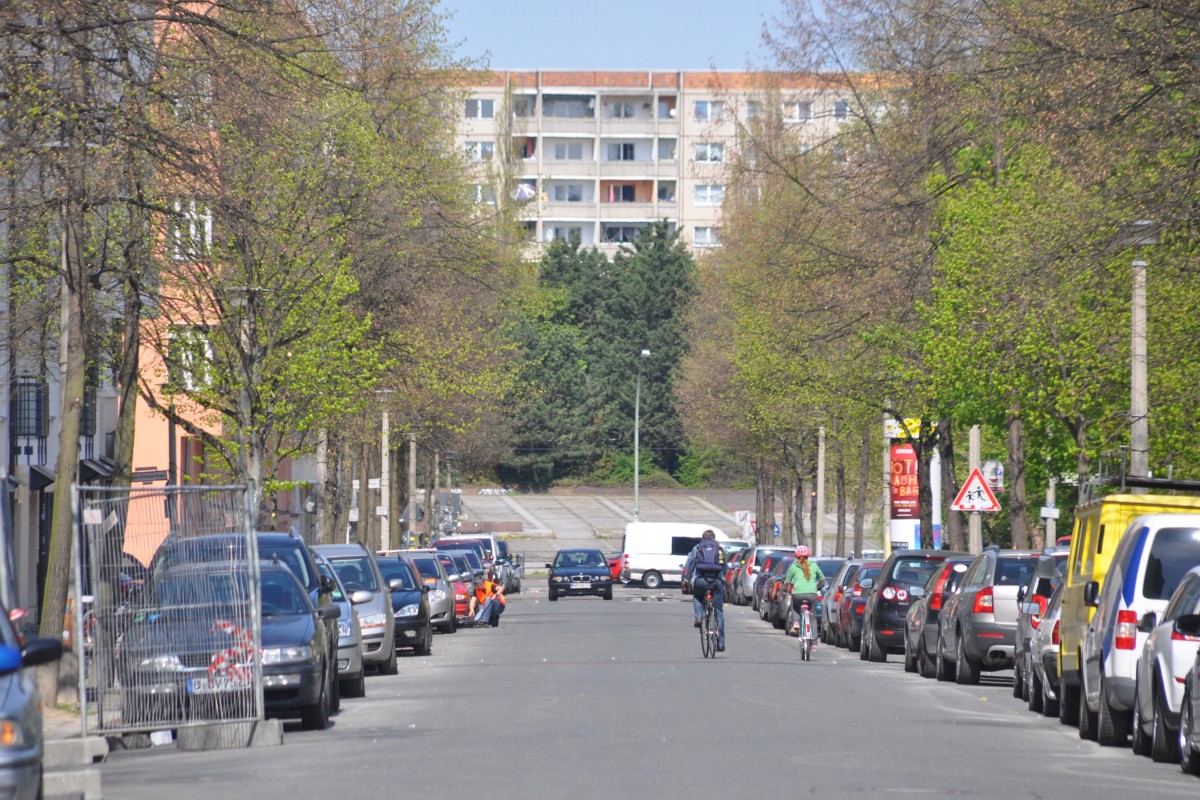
1051 535
975 518
412 489
385 484
818 526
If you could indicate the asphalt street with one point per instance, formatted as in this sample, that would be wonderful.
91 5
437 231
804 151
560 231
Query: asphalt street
587 698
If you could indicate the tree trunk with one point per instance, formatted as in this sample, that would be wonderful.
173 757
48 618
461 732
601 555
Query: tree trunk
839 454
362 529
955 533
1018 511
860 497
923 448
790 532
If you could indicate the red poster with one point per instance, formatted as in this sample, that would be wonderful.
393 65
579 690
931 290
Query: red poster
903 479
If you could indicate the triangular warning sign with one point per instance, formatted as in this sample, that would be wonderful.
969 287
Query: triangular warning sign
975 495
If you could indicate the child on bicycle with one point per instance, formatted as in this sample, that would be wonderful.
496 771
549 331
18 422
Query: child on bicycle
802 580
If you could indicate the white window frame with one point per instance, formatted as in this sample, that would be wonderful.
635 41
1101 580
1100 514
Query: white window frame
841 111
481 151
485 108
185 374
191 230
564 189
565 147
621 149
753 109
708 194
796 112
708 110
710 152
482 193
706 236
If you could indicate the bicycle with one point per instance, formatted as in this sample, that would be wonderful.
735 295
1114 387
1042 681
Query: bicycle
708 625
807 634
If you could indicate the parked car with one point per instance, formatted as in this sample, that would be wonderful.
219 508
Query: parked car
733 559
921 622
461 583
579 571
754 561
1169 653
514 567
850 608
481 548
1032 600
21 707
887 606
654 552
358 571
1154 554
441 593
350 669
1189 712
765 582
838 584
776 601
977 629
1043 662
412 621
614 566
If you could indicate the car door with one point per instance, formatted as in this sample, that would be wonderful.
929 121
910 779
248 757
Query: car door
959 605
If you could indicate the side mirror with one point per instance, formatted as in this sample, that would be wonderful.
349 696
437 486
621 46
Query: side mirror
1148 622
917 592
360 597
395 585
329 612
326 585
549 565
1091 594
1188 625
38 650
866 583
426 588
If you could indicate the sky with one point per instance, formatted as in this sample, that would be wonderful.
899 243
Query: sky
610 34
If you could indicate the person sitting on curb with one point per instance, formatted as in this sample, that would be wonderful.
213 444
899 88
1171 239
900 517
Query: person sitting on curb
493 607
483 592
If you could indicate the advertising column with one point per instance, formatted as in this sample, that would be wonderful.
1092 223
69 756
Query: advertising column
905 525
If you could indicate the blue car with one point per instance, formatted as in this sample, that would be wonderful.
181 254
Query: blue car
410 604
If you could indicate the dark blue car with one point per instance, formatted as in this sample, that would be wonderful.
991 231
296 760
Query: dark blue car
410 604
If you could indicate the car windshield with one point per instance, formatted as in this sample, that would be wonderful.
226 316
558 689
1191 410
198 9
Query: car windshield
428 567
326 571
461 566
395 569
181 589
1173 552
291 557
356 573
914 571
502 549
1014 571
281 595
472 559
579 558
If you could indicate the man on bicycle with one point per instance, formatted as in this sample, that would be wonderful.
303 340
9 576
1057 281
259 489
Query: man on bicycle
705 570
802 580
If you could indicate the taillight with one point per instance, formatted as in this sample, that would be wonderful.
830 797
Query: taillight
935 602
1054 634
888 593
1036 619
837 595
1176 636
939 589
984 603
1126 633
857 590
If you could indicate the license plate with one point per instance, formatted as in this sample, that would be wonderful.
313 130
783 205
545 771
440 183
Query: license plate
211 684
581 585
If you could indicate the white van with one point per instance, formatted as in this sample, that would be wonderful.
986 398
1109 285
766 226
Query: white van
655 551
1152 556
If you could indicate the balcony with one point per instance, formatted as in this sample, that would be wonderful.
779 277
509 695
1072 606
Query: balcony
552 125
624 126
628 169
578 210
626 211
569 169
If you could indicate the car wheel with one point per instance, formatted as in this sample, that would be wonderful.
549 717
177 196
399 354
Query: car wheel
1049 704
875 652
1163 745
910 658
335 695
943 666
390 667
1113 728
1189 759
1087 718
426 645
316 716
652 580
1068 704
452 625
608 593
1018 686
965 671
1141 740
355 687
553 596
1035 692
925 664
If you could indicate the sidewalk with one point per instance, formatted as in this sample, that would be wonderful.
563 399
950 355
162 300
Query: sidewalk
70 757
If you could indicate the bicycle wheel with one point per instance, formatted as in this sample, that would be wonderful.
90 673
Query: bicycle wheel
706 642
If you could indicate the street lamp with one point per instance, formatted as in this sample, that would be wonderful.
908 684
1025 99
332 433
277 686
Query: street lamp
637 424
1144 234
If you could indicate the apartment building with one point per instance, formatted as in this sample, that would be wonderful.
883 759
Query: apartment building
600 155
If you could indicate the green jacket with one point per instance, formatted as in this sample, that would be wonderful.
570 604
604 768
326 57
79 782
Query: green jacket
801 585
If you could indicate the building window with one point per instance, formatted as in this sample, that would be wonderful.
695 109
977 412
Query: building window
797 111
709 195
622 193
529 229
87 419
752 109
621 233
570 193
709 110
572 107
841 110
481 193
620 109
31 409
666 108
666 149
525 147
713 152
568 151
189 359
666 191
481 151
621 151
523 106
190 230
706 237
480 109
568 233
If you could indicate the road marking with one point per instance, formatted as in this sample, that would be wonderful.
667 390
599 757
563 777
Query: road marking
537 526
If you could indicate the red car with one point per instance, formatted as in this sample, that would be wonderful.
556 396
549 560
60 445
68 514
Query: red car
614 566
462 592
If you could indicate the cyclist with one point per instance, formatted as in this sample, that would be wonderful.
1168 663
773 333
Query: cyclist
704 570
802 580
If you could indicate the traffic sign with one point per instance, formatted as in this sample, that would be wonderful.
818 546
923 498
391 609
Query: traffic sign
975 495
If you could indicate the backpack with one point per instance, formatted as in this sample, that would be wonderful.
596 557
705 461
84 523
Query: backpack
710 558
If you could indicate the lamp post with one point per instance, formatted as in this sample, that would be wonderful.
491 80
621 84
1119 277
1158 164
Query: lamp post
637 425
1145 233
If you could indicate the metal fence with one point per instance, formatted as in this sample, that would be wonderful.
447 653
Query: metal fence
168 613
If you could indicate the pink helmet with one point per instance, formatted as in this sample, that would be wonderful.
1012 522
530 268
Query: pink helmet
802 551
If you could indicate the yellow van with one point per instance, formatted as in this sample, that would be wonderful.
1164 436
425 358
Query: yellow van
1099 526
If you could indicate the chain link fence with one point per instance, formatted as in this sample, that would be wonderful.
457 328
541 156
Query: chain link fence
169 615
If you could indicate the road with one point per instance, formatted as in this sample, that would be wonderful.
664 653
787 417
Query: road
586 698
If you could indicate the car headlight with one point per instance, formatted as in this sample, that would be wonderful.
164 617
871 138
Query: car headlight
13 734
603 578
161 663
344 629
437 595
373 622
408 611
286 655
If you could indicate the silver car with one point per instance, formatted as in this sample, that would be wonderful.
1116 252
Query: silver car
441 594
349 647
1032 601
753 566
21 707
1043 659
357 570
